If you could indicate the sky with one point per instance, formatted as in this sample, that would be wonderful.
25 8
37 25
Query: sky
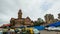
32 8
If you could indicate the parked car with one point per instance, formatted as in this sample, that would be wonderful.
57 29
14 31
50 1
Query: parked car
36 31
52 28
58 28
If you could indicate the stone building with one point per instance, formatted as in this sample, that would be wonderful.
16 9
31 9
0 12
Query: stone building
20 21
49 18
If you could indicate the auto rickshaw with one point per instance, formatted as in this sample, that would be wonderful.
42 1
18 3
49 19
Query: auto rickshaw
27 31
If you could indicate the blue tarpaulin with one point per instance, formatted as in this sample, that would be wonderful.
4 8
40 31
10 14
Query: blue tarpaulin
39 27
55 24
20 27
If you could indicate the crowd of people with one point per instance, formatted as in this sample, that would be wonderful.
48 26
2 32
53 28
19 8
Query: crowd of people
19 31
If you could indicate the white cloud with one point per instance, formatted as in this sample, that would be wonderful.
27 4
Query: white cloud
32 8
55 9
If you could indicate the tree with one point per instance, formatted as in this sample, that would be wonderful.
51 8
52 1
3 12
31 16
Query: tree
38 22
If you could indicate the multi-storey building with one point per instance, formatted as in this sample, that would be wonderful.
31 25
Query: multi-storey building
20 21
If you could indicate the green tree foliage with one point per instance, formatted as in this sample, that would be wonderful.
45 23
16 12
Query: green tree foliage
39 21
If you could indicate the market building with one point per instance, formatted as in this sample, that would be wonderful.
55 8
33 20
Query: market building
17 22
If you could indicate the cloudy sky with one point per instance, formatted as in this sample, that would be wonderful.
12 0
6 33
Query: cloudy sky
32 8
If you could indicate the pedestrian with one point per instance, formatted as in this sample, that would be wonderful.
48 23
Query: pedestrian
8 32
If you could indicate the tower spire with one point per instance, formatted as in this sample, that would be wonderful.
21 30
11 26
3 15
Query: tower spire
20 14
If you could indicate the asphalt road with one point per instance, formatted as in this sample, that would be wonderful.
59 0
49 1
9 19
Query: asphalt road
49 32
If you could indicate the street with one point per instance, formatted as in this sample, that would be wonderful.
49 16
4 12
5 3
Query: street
49 32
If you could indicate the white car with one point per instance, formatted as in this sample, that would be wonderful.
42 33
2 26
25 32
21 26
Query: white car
52 28
58 28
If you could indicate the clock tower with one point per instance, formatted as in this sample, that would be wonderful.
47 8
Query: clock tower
20 14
